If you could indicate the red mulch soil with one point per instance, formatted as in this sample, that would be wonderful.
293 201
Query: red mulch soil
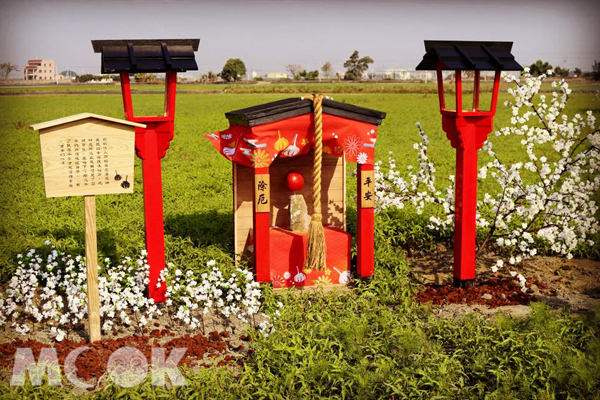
504 292
91 364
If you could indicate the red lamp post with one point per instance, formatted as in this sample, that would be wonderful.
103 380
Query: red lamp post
151 143
467 129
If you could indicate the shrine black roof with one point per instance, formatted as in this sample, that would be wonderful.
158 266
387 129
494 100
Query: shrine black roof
461 55
288 108
147 55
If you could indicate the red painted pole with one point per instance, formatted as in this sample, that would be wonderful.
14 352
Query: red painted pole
458 82
476 85
153 215
262 222
365 226
440 79
465 206
170 92
151 145
126 92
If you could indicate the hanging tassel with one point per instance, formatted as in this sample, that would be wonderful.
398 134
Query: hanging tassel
316 249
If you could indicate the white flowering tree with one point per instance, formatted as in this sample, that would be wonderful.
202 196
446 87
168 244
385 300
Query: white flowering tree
546 200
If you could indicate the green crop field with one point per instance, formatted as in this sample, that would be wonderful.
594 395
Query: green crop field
197 180
374 343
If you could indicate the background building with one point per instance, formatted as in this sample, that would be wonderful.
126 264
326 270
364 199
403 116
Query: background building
39 70
277 75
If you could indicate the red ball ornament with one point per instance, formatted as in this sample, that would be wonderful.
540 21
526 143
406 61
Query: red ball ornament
294 180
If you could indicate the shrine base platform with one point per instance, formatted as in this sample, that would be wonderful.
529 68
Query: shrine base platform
287 251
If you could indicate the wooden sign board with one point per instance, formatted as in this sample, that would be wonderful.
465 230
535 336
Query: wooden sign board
87 154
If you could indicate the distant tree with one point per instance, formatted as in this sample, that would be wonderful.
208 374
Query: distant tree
85 78
326 68
596 71
577 72
307 75
468 74
208 77
145 78
293 69
69 74
116 77
312 75
562 72
233 70
539 67
355 66
6 69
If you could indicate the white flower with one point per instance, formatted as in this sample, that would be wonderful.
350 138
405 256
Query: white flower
362 158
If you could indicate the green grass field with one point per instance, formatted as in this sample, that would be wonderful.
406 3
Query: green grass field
374 343
197 180
267 87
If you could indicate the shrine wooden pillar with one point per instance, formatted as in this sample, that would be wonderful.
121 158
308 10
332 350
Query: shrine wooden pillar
365 226
261 223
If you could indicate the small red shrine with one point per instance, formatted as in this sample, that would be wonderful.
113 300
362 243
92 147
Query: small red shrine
279 178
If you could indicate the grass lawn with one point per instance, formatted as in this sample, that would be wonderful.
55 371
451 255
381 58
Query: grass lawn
197 180
375 343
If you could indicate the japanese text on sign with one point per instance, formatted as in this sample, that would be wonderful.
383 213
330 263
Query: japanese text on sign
367 189
87 159
262 193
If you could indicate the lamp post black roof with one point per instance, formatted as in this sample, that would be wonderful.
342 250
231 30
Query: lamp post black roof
473 56
147 55
293 107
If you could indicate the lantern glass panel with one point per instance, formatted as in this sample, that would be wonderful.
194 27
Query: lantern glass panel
477 87
486 88
144 104
468 89
449 90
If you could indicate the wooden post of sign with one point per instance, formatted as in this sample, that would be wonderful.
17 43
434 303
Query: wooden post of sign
91 266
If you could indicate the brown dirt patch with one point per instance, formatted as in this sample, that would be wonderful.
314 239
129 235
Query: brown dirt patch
202 351
559 282
492 293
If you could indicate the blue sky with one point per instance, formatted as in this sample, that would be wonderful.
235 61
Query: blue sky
269 34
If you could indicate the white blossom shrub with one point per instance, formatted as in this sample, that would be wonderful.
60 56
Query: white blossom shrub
50 291
546 201
195 296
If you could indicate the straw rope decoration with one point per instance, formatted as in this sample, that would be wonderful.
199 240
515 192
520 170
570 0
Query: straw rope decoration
316 249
